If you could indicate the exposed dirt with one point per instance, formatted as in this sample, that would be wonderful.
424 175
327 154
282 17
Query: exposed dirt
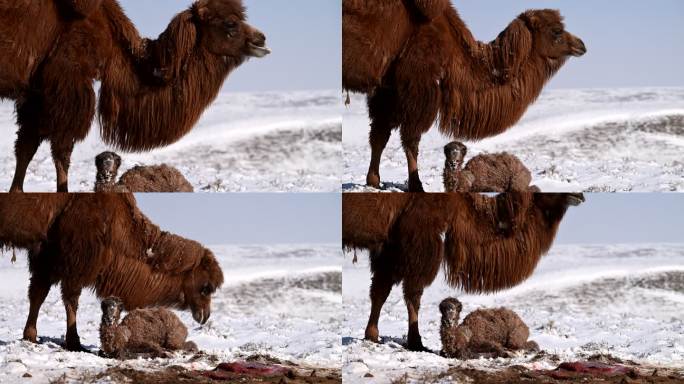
596 369
255 369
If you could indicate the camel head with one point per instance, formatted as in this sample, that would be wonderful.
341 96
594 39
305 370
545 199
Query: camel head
111 310
550 39
555 205
451 311
225 32
198 286
455 152
107 164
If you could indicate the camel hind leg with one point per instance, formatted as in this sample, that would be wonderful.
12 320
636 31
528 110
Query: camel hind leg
382 111
39 287
381 286
28 140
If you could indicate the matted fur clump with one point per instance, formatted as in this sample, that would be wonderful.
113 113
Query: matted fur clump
104 242
490 332
152 91
485 244
154 178
497 172
416 69
151 331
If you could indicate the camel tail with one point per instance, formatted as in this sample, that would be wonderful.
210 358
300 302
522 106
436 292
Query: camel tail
495 263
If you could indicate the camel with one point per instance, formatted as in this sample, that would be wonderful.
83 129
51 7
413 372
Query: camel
414 69
152 91
410 235
154 331
142 179
498 172
102 241
491 332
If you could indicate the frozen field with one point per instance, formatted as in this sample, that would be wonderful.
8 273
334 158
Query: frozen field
278 141
622 300
571 140
280 301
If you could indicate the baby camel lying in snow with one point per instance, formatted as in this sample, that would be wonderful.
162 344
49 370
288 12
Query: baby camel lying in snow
493 332
151 331
499 172
157 178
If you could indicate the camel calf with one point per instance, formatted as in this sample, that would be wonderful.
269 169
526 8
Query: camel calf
143 331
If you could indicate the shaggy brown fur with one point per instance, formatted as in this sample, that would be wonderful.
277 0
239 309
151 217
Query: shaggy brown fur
499 172
494 332
414 69
152 92
154 179
151 331
410 236
120 254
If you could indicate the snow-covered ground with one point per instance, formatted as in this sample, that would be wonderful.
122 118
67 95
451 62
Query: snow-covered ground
571 140
255 142
622 300
280 301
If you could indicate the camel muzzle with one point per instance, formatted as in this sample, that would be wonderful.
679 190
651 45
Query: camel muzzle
576 199
578 48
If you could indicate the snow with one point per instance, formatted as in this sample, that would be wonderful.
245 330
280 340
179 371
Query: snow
257 142
623 300
282 301
572 140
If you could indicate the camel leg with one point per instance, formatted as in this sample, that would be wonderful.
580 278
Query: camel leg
381 286
38 291
61 155
411 144
70 296
412 296
28 141
382 111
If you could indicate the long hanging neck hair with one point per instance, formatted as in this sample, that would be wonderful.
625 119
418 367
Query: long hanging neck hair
501 80
477 259
139 116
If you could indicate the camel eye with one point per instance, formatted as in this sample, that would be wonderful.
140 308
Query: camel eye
206 290
231 27
557 32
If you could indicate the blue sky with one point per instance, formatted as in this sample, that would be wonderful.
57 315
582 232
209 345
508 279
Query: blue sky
316 218
305 36
631 42
625 218
234 218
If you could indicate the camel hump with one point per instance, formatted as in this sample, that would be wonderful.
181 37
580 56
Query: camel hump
431 8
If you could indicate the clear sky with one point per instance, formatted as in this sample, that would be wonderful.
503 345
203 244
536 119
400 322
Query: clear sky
316 218
305 36
630 42
625 218
235 218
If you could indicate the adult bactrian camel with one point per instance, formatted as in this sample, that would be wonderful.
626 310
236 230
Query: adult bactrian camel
414 68
486 244
152 92
102 241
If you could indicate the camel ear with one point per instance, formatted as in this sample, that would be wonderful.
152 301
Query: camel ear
202 11
532 19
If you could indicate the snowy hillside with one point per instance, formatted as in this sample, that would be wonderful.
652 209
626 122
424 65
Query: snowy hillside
622 300
571 140
280 301
277 141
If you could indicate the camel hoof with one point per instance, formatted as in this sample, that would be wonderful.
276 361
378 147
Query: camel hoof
76 347
417 347
373 181
31 335
416 187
